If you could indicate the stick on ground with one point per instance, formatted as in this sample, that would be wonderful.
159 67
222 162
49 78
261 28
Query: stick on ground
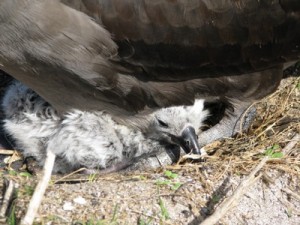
227 204
288 191
288 148
39 190
7 152
8 196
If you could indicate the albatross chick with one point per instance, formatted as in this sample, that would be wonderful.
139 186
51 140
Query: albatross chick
93 139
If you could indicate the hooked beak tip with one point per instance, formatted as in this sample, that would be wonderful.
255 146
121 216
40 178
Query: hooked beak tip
190 140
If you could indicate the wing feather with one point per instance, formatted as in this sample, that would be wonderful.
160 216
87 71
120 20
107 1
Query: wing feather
141 54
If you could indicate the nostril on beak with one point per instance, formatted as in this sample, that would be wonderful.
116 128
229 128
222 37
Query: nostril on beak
187 143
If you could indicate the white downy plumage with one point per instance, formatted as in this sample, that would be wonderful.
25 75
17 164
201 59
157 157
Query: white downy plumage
89 139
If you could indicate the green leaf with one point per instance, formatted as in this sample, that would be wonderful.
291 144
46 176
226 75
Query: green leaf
12 172
11 220
169 174
271 152
25 174
114 217
144 222
175 186
268 152
277 155
29 190
164 211
143 177
163 182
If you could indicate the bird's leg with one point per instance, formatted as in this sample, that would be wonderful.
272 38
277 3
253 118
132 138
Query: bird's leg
230 124
160 159
111 169
241 92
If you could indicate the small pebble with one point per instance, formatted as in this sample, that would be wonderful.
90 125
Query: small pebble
68 206
186 213
80 200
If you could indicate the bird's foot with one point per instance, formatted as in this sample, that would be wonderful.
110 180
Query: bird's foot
230 125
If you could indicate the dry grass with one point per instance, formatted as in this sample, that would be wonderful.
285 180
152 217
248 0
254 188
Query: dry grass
277 122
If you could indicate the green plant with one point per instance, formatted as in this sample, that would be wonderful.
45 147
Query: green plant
28 190
272 153
92 177
114 217
141 177
11 220
173 185
25 174
164 212
12 172
144 222
170 176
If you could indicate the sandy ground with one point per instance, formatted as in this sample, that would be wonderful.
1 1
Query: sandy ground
191 191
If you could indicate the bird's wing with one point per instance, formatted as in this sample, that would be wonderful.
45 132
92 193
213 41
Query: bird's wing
61 54
163 39
142 54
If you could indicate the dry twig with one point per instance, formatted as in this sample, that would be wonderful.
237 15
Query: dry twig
288 191
287 149
243 186
238 193
8 196
39 190
6 152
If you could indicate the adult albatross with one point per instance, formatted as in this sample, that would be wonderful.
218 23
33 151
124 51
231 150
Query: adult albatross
130 57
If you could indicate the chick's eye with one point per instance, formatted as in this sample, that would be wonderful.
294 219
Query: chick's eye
162 123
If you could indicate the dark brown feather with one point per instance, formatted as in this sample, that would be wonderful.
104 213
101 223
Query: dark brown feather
143 54
198 38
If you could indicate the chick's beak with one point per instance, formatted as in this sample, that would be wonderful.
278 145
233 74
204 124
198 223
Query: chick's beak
189 141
